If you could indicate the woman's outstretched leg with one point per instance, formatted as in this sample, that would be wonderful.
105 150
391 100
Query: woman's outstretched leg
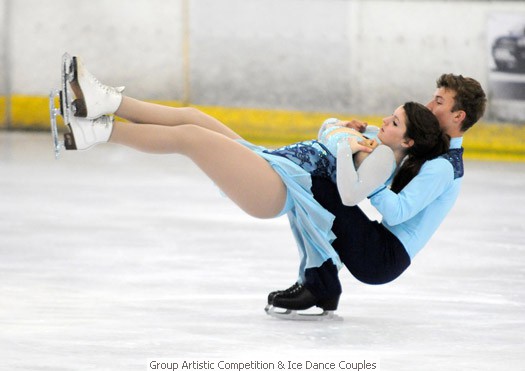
245 177
142 112
242 175
94 99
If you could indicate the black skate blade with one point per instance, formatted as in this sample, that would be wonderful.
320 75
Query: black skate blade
295 315
69 141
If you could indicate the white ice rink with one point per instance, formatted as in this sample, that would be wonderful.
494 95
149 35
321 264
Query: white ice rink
111 258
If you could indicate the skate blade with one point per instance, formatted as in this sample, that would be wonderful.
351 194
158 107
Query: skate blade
58 145
66 97
65 109
295 315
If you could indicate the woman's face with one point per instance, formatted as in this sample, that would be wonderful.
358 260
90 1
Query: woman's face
394 128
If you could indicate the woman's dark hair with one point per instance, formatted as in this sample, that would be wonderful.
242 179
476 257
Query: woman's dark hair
429 142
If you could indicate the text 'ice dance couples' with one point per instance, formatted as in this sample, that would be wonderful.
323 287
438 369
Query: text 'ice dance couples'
410 168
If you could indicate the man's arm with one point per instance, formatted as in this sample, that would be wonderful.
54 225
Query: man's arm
433 179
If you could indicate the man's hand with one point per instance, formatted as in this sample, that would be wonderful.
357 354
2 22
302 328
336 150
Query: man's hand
357 125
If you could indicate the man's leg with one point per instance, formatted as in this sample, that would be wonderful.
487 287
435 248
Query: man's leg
370 252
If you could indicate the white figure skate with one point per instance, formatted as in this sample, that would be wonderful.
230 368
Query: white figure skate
83 133
93 99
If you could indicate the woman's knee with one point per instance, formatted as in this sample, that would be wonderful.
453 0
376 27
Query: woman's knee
189 111
188 136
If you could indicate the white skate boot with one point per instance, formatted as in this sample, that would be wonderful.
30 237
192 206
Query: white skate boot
85 133
93 99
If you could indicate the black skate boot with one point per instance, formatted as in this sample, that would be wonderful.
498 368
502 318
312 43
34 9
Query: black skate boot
272 294
302 298
286 305
321 289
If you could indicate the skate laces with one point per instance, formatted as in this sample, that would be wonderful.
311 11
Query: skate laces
105 120
108 89
292 290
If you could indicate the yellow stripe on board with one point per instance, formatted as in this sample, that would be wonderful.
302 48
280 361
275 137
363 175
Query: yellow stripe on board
485 141
3 123
29 112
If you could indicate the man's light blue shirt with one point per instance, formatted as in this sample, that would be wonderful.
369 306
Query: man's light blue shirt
414 214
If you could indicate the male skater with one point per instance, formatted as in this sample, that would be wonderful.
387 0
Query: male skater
377 253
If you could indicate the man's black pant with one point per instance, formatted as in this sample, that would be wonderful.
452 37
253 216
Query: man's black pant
370 252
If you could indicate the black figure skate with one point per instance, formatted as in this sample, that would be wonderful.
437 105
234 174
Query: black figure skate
296 303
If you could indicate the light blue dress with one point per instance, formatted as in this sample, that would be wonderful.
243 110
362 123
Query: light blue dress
311 224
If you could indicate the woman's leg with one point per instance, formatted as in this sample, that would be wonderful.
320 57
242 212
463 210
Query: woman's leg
245 177
150 113
94 99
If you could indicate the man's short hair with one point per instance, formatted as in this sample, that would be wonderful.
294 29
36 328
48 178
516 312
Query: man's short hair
469 98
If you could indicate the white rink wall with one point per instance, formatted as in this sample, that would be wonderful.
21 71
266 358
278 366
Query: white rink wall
313 55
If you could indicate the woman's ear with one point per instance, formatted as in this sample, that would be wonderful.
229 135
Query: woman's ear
407 143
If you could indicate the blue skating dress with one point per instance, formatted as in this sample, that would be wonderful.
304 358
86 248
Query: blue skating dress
311 224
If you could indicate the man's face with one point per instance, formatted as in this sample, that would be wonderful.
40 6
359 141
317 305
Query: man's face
441 106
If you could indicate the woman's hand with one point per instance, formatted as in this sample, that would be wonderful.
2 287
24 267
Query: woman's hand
365 145
370 143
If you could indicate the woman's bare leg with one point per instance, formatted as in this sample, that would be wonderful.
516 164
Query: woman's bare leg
245 177
150 113
95 99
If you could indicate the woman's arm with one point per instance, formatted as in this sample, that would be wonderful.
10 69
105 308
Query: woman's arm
355 185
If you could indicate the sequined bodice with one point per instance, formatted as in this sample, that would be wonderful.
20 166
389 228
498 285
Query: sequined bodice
329 137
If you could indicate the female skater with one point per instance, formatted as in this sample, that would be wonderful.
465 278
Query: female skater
264 183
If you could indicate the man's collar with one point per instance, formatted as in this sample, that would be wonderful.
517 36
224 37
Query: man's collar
456 142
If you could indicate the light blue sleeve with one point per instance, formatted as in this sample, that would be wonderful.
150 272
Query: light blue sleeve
433 179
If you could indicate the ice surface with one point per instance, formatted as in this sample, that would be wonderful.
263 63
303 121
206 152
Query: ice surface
110 258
